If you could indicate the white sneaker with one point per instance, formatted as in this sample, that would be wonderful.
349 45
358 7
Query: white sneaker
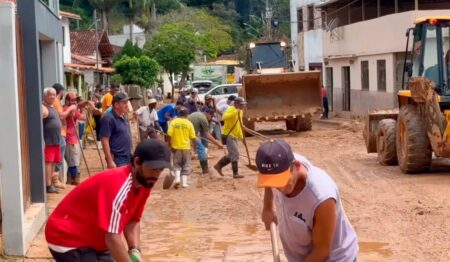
177 178
184 182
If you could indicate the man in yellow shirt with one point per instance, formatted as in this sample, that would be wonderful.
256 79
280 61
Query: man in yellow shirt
181 134
108 97
231 134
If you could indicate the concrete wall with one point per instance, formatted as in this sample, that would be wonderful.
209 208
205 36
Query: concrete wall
306 45
49 58
10 156
381 35
362 100
120 40
67 47
18 227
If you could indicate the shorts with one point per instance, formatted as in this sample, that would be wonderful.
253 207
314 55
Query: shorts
52 154
72 155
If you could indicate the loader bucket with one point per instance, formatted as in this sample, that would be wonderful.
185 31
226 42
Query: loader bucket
282 95
371 126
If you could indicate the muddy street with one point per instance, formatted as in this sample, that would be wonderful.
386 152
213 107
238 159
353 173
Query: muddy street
397 217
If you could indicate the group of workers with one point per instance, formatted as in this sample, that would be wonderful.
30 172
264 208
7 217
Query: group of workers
99 220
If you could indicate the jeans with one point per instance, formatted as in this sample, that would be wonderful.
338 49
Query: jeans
62 147
122 160
325 107
200 147
216 128
81 128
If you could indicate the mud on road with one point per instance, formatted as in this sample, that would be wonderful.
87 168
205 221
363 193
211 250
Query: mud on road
397 217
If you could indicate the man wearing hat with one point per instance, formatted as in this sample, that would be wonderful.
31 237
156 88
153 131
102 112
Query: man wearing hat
115 133
231 134
193 101
308 208
200 121
90 222
148 120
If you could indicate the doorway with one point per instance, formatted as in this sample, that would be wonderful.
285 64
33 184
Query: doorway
329 81
346 88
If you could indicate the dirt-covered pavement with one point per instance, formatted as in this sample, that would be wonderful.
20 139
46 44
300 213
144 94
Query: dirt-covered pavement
397 217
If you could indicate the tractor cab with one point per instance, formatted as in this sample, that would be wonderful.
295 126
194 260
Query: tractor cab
431 52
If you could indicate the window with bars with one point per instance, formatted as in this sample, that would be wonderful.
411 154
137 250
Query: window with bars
381 75
364 75
300 20
310 17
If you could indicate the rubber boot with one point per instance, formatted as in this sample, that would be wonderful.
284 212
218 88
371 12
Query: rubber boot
69 179
204 166
184 181
177 178
99 144
234 167
57 183
76 180
222 162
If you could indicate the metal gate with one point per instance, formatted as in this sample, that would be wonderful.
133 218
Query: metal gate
23 117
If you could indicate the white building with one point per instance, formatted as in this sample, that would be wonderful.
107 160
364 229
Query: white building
139 36
363 49
306 35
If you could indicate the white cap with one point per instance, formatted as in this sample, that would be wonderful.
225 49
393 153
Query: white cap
194 90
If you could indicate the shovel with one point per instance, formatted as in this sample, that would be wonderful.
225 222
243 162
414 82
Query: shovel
274 240
169 178
250 165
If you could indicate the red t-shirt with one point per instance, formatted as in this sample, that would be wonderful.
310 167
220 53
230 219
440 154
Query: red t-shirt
71 135
106 202
324 92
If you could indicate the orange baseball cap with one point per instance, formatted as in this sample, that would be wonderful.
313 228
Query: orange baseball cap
274 160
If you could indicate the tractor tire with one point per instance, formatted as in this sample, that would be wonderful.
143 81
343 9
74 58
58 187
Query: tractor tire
413 146
304 123
386 142
291 124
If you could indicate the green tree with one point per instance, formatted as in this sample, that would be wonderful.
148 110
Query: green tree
214 35
130 50
104 7
174 47
142 71
148 17
131 9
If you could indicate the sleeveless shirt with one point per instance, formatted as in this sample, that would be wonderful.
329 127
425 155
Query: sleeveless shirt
296 214
52 127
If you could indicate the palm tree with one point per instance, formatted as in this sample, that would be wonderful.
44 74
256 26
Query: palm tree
104 7
131 9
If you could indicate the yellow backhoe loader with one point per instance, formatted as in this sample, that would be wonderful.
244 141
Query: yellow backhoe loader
409 135
273 94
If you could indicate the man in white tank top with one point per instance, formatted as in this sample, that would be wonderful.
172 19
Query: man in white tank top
308 209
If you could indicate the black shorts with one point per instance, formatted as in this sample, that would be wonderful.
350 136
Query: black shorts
82 254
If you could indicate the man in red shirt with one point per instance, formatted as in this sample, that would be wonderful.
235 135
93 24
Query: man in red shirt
89 222
73 150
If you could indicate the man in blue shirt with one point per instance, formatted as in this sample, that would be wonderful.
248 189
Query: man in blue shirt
166 113
115 133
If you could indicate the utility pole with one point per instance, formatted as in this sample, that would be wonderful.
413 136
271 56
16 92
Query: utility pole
96 39
268 18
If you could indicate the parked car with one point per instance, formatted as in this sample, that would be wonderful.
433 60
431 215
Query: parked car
221 91
202 86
